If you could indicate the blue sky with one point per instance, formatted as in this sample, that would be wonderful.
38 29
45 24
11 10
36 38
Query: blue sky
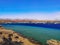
30 8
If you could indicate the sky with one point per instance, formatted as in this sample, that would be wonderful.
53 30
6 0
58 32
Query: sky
30 9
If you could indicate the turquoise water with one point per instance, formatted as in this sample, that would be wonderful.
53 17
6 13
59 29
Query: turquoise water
38 33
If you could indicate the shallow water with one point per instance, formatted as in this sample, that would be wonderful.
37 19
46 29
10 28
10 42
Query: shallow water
40 34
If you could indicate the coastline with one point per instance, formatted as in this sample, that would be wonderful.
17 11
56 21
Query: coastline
26 40
22 38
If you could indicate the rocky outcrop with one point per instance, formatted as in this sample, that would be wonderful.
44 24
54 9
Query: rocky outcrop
53 42
9 37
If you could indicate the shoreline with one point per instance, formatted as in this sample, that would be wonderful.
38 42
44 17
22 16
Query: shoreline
30 39
22 38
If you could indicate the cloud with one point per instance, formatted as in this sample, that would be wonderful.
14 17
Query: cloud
39 16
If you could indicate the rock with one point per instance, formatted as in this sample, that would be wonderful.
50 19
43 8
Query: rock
53 42
7 37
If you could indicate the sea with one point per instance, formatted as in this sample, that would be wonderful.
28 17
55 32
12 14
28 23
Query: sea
39 32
